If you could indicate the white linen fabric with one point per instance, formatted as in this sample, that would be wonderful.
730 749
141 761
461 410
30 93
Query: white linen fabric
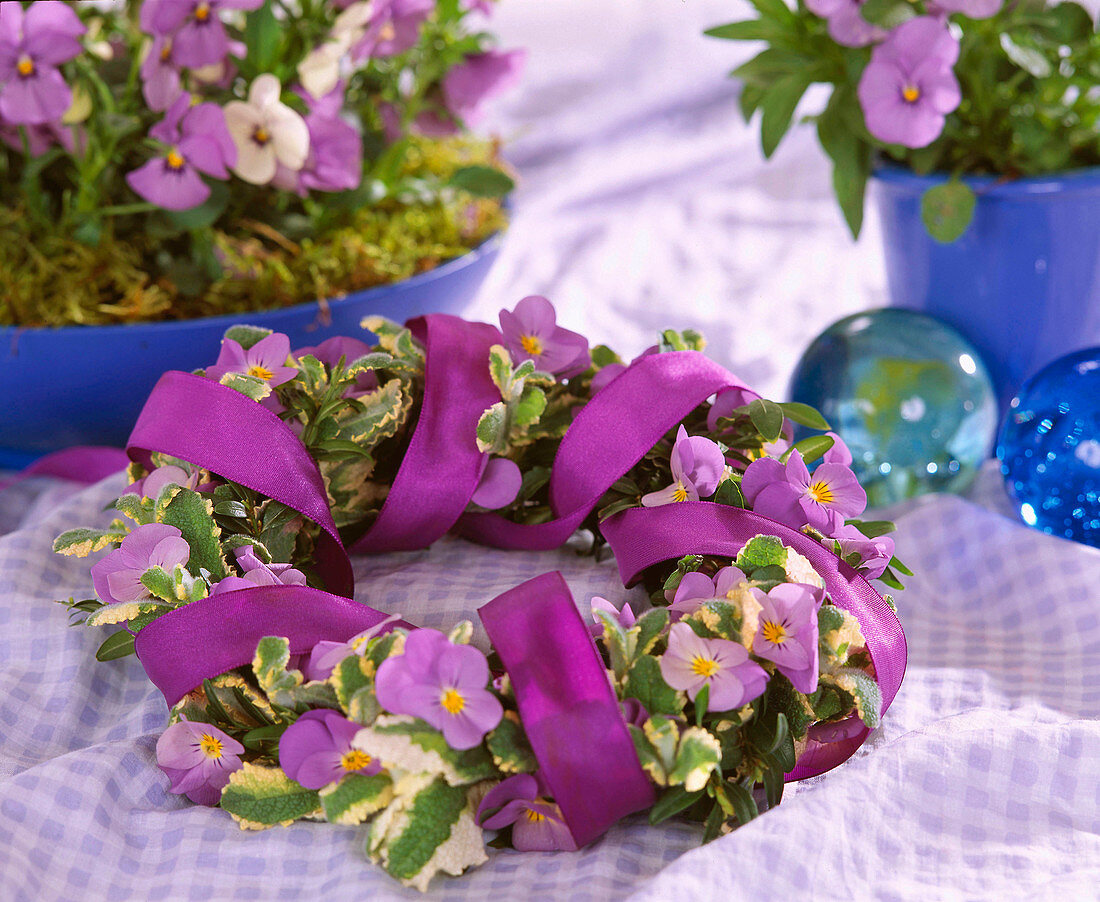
644 204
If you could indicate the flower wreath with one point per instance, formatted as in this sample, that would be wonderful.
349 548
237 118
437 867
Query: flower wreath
765 655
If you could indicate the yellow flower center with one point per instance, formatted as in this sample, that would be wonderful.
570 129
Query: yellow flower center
387 32
261 372
910 93
821 492
261 136
202 12
355 760
174 160
776 633
704 667
534 816
25 66
680 493
165 51
452 701
531 344
210 746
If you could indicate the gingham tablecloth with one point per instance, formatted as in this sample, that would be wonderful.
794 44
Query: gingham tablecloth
644 204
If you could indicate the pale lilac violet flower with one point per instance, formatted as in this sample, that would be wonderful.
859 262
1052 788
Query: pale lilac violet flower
335 158
117 577
326 654
485 7
839 453
199 35
846 23
499 483
160 478
443 684
625 617
394 28
479 77
531 332
692 662
160 76
198 758
265 360
32 45
257 573
697 467
634 712
266 131
870 557
909 87
790 495
316 750
696 588
973 9
726 402
787 632
197 141
537 825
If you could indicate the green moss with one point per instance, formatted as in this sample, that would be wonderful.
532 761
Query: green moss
52 279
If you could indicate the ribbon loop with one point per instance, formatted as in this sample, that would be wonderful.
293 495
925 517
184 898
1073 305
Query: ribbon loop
641 537
569 712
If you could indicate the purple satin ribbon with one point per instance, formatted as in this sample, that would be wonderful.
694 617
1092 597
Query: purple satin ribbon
441 467
206 638
612 432
641 537
223 431
569 712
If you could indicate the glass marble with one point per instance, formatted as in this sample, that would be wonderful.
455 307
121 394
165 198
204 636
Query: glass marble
910 397
1049 448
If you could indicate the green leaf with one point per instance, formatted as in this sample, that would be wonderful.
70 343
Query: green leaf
192 515
263 37
864 691
875 528
697 756
530 407
767 417
348 677
770 65
355 798
159 583
776 10
117 645
672 802
947 210
773 785
510 749
615 640
491 428
751 30
744 805
482 181
249 386
260 797
761 551
647 630
729 493
804 415
702 699
851 156
645 683
792 704
813 447
887 13
82 542
778 109
411 745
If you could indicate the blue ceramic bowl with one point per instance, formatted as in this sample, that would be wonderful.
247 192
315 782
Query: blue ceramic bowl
84 385
1023 282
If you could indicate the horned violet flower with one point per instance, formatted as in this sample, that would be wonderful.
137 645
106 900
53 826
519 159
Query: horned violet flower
625 617
531 332
696 588
32 45
326 654
790 495
316 750
499 483
267 132
443 684
394 27
787 632
537 825
198 758
257 573
909 87
846 23
870 557
198 34
117 577
265 360
697 468
692 662
478 78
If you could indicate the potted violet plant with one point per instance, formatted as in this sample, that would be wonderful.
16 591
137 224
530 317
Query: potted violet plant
978 121
170 167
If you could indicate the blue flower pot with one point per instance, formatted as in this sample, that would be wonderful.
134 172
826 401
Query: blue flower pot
84 385
1022 284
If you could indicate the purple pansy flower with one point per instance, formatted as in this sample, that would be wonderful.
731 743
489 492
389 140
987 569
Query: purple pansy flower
32 45
726 402
531 332
873 554
537 825
467 86
790 495
696 588
257 573
625 617
117 577
787 634
316 750
334 161
839 453
443 684
197 141
846 23
692 662
161 477
160 76
697 468
199 36
265 360
499 483
974 9
909 87
485 7
327 654
198 758
394 28
634 712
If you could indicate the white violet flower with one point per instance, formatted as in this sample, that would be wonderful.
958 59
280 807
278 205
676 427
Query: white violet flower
266 131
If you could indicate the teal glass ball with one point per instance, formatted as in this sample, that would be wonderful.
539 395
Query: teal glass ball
910 397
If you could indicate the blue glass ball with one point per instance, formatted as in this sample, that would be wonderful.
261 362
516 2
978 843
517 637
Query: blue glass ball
910 397
1050 448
